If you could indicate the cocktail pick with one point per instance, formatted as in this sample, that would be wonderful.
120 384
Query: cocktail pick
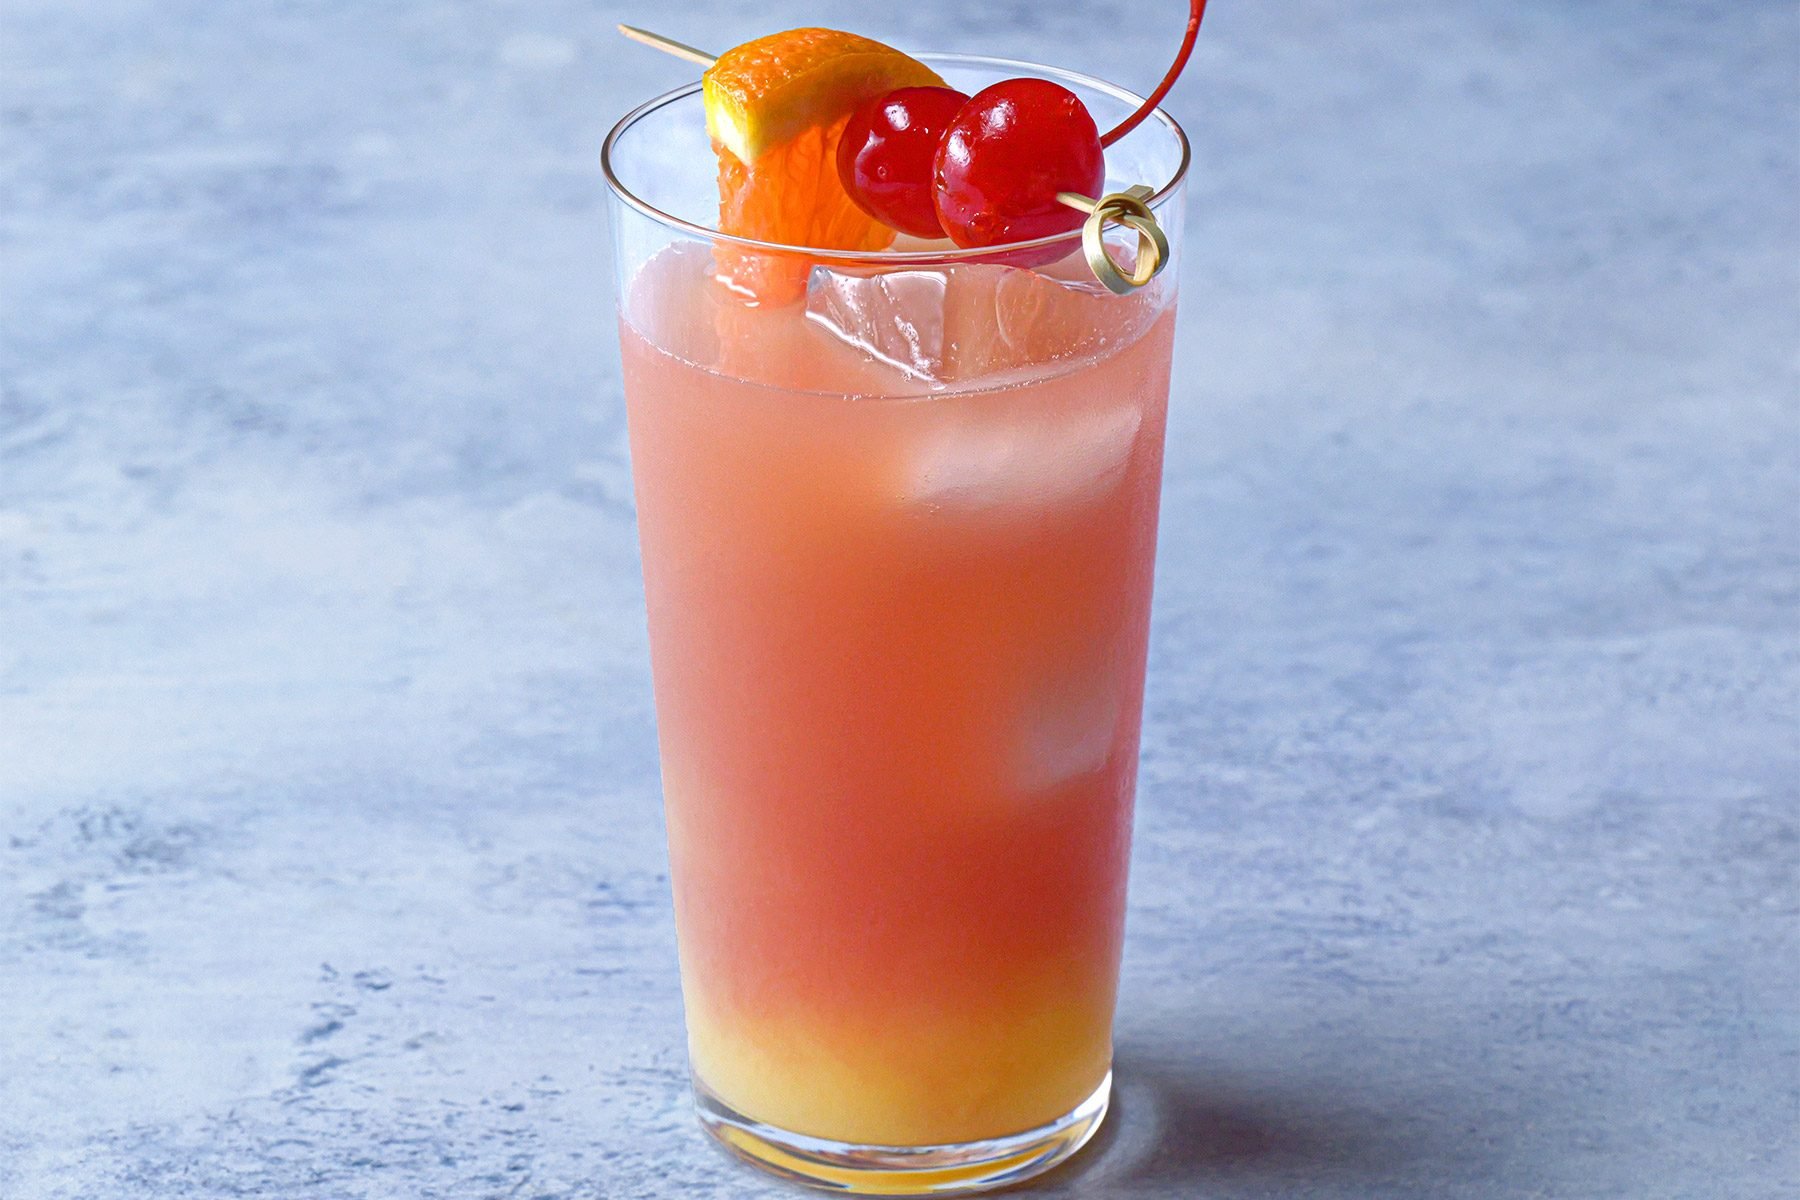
1127 208
657 41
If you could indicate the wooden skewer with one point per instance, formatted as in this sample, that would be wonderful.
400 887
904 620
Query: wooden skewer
657 41
1081 203
1128 207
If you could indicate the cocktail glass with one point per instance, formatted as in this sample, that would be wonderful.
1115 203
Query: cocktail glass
898 520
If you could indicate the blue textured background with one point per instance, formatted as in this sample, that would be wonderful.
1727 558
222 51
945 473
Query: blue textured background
330 851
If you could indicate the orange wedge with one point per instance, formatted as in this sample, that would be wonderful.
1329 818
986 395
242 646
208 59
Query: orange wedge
763 93
775 108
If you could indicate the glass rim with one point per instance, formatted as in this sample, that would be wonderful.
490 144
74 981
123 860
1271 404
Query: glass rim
1166 189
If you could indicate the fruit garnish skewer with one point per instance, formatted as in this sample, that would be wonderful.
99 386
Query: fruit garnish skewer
1006 124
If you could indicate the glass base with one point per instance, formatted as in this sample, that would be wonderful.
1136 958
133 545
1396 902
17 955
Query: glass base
951 1170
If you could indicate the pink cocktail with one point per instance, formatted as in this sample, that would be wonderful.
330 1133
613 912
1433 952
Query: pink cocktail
898 538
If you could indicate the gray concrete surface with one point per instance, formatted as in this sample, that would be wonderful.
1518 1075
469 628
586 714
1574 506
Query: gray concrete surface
330 852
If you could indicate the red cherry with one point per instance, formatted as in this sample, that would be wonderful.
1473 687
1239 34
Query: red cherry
1006 155
886 154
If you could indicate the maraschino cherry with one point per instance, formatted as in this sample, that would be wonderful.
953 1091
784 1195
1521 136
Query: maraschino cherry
1002 158
1007 154
886 153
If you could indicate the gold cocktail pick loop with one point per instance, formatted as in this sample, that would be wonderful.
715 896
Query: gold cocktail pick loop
1127 208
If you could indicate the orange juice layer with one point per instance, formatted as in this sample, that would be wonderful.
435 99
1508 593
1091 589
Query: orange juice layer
898 642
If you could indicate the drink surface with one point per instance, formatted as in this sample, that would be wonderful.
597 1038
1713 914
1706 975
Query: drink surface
897 549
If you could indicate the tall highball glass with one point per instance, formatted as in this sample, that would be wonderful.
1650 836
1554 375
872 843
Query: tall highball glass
898 519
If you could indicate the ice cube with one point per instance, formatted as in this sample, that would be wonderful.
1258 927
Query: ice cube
1018 457
962 323
1068 732
896 317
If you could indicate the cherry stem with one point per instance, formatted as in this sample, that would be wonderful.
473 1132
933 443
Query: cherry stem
1162 89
